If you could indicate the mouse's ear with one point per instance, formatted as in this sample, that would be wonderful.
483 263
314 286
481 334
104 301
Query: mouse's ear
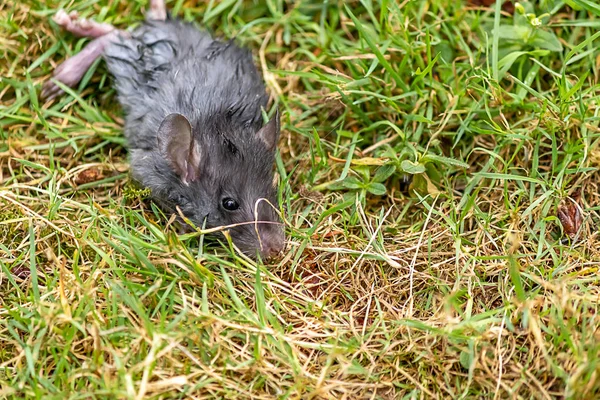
176 143
270 132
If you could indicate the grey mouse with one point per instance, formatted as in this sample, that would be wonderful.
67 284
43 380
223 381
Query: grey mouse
193 122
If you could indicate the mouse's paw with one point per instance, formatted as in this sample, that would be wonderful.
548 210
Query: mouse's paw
81 27
50 90
69 73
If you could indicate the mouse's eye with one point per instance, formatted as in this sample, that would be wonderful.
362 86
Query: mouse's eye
230 204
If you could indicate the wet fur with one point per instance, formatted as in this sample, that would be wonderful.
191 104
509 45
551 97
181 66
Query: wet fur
172 67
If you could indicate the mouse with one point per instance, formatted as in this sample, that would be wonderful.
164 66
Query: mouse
193 111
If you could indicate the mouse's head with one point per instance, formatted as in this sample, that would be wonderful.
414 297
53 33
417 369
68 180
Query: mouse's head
224 178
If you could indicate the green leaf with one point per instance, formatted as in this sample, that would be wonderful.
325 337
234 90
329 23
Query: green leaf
511 32
356 369
444 160
509 59
411 167
384 172
466 359
546 40
515 275
579 47
427 70
419 118
378 189
352 182
588 5
528 35
576 87
572 4
239 305
419 185
260 299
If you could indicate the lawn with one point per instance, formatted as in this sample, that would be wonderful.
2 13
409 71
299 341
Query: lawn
438 171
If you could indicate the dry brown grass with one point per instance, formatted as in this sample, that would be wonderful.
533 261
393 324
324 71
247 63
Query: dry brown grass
462 289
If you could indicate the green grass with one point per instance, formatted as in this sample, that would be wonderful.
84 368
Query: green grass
463 285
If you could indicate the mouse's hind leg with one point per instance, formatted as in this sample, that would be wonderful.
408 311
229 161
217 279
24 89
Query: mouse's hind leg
71 71
158 10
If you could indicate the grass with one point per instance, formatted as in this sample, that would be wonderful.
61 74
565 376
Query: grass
465 284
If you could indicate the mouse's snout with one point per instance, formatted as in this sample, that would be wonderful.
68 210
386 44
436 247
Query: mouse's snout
268 244
272 241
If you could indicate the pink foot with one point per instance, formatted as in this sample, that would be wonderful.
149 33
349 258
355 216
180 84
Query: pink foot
80 26
158 10
72 70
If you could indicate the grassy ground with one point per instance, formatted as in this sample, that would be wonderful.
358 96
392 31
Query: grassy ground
464 285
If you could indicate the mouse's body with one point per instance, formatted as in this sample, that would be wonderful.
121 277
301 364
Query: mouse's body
171 66
193 111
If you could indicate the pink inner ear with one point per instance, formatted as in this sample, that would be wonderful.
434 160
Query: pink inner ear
176 143
269 133
192 165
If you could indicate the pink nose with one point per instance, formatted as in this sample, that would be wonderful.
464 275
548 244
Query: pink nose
272 246
272 252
